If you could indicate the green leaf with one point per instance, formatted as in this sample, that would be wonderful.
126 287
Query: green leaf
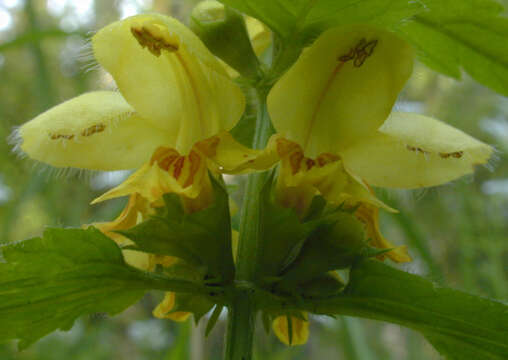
46 283
198 305
213 319
459 325
325 14
224 33
243 132
244 129
326 284
200 238
282 235
455 34
449 35
309 17
279 15
336 245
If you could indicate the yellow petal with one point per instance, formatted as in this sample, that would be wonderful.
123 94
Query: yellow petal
163 260
138 259
97 130
299 326
228 156
412 151
369 215
301 178
260 36
166 73
345 85
136 209
358 191
168 172
163 310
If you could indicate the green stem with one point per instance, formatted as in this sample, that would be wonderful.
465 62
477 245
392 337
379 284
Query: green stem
242 311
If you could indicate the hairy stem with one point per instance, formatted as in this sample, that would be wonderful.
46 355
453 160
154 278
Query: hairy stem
242 311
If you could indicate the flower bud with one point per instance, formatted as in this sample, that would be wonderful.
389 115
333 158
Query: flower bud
224 32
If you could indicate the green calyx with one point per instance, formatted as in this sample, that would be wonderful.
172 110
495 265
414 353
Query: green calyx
224 32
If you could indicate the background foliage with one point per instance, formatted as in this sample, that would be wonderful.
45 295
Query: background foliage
457 233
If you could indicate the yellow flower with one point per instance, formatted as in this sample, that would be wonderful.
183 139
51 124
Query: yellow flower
169 119
136 211
299 326
164 309
341 137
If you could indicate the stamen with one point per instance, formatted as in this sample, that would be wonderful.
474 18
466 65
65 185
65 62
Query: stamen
359 53
93 130
61 136
152 37
417 149
456 154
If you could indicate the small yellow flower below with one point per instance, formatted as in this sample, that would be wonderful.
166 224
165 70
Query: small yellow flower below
163 310
299 326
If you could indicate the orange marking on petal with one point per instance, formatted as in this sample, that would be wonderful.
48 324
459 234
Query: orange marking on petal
164 157
295 160
195 162
208 146
285 147
178 166
165 163
327 158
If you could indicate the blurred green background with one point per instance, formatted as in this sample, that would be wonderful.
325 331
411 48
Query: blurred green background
457 234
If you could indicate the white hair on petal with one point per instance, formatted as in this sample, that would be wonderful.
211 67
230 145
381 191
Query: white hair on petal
494 160
51 172
86 56
15 140
43 169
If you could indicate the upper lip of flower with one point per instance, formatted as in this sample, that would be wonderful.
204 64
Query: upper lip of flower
172 80
346 84
172 92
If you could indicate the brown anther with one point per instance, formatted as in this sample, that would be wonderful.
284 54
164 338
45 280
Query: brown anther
61 136
360 52
361 44
93 130
417 149
360 59
154 43
370 46
349 56
456 155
